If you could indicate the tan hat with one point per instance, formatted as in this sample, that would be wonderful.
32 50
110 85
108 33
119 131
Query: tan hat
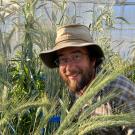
75 35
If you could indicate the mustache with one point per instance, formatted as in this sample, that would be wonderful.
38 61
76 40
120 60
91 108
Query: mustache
73 72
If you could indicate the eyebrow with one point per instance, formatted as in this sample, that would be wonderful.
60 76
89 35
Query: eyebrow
72 52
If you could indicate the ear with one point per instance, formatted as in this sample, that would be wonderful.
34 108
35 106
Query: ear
93 62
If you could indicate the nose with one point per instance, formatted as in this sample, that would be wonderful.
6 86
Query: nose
70 67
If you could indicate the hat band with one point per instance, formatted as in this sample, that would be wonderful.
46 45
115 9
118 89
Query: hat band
72 37
79 40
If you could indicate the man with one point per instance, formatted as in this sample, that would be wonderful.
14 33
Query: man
78 59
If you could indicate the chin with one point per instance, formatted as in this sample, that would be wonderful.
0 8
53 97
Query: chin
72 85
75 88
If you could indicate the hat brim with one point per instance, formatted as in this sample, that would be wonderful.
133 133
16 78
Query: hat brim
49 57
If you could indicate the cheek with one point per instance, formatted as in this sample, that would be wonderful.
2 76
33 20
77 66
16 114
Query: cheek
62 71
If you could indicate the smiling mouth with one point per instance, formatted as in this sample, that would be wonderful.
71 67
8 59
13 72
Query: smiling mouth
73 77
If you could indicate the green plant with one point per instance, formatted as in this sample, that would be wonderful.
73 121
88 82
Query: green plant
32 94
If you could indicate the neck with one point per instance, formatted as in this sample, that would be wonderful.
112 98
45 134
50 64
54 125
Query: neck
81 92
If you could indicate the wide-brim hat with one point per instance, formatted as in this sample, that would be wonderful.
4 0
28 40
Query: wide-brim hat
75 35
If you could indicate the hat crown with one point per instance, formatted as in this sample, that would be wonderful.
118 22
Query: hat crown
73 32
75 35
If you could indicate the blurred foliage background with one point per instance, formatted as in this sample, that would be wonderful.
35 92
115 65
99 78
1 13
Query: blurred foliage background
33 99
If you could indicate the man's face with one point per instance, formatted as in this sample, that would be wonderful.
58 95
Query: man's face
75 68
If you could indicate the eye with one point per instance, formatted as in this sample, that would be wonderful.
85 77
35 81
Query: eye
62 60
77 56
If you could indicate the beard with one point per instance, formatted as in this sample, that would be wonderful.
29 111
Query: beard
86 76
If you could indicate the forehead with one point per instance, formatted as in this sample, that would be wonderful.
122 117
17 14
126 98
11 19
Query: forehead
70 50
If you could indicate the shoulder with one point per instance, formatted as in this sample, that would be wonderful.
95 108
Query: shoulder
121 82
125 100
